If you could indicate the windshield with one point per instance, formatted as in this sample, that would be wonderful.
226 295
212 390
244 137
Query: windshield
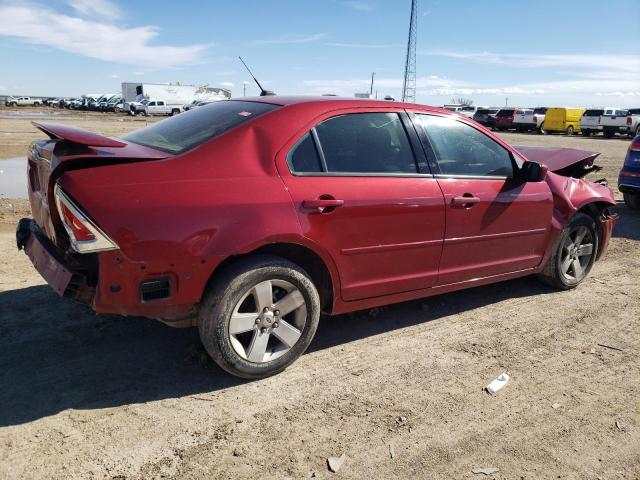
593 113
190 129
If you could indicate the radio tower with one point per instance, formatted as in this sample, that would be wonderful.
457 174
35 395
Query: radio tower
409 85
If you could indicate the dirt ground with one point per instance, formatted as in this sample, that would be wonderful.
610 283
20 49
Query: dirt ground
398 390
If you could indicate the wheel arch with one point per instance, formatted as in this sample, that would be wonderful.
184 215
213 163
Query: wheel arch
322 271
595 209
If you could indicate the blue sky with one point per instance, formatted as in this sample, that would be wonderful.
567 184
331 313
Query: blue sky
533 52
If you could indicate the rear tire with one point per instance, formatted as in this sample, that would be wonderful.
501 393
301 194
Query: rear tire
586 133
608 133
569 130
266 341
175 111
577 242
632 200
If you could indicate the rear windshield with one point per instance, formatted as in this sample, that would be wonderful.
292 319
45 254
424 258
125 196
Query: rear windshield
634 111
540 111
508 112
592 113
190 129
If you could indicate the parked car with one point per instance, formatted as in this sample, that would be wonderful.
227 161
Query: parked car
562 120
115 104
590 121
486 116
629 179
22 102
618 120
189 106
250 218
469 111
504 119
528 119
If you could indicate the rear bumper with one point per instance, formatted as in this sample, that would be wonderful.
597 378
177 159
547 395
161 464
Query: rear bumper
529 126
109 282
67 278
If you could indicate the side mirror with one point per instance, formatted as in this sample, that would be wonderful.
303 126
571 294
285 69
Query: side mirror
533 172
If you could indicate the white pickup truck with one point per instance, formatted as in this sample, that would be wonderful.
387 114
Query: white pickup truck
22 101
618 120
525 119
590 121
154 107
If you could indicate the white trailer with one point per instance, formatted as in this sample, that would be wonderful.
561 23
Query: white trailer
173 95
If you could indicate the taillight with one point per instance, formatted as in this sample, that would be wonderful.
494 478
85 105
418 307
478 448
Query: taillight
635 145
80 232
629 120
84 235
564 122
535 119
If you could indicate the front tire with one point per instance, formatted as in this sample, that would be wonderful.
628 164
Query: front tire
259 316
574 254
632 200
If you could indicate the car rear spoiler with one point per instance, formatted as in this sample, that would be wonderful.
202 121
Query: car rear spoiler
78 136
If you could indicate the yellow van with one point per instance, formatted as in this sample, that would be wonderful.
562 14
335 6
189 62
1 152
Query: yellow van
565 120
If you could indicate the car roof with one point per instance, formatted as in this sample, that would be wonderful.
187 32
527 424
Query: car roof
286 100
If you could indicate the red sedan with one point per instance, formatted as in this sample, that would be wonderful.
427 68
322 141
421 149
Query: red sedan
248 218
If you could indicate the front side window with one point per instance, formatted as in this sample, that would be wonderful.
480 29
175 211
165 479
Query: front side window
462 150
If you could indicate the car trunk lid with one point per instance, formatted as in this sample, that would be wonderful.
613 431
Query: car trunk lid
70 148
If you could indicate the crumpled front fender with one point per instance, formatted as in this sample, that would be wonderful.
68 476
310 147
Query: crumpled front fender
571 195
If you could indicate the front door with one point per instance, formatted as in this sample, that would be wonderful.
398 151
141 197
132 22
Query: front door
355 183
496 223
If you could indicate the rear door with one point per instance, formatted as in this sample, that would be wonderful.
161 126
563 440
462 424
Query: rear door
359 182
495 223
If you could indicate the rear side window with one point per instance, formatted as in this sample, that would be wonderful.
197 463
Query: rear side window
505 113
304 157
463 150
190 129
361 143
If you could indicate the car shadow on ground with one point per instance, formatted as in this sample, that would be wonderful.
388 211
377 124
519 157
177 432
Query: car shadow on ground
57 355
628 226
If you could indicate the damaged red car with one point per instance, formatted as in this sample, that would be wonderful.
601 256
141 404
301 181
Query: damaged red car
249 218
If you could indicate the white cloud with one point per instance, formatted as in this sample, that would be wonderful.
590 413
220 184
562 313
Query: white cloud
595 62
2 88
103 41
358 45
287 39
115 75
100 8
138 73
227 84
360 6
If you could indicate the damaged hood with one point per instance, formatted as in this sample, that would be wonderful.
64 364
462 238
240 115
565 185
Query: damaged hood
569 162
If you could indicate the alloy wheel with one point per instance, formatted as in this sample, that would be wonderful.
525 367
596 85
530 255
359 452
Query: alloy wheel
576 253
267 321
